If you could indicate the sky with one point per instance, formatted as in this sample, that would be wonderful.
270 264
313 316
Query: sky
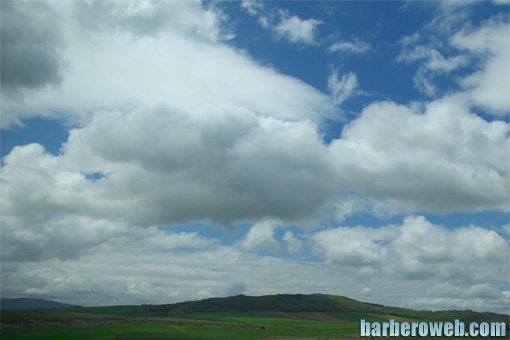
165 151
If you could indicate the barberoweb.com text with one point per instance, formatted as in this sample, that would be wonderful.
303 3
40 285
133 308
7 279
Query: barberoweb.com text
430 329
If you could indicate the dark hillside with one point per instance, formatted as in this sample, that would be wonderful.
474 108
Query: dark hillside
294 303
27 303
291 303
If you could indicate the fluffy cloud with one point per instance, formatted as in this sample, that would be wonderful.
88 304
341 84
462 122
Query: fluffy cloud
160 166
163 166
418 249
122 66
172 125
139 265
441 160
296 29
350 246
150 18
261 236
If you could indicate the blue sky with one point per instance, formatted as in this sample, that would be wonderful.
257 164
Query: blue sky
157 152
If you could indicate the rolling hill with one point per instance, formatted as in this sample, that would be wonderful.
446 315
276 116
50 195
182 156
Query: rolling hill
28 303
322 303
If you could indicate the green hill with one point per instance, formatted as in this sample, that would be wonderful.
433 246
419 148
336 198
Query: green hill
294 303
291 303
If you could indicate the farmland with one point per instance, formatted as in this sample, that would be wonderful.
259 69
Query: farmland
129 322
289 317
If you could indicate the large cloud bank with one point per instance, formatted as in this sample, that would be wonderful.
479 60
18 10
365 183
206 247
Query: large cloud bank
171 125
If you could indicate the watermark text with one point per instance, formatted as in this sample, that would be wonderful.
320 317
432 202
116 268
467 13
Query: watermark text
432 329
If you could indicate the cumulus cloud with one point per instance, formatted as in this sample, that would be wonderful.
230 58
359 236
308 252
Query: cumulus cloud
297 30
139 265
163 166
172 125
441 160
350 246
418 249
42 235
261 236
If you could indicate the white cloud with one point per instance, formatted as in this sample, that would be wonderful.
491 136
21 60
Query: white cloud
140 265
176 126
418 249
296 29
350 47
285 26
434 63
261 236
441 160
150 63
224 164
149 18
72 237
490 86
351 246
481 291
343 89
252 7
165 166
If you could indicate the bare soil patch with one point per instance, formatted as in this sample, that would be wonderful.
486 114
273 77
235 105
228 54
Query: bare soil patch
389 317
306 316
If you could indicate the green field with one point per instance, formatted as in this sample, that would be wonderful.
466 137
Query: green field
120 322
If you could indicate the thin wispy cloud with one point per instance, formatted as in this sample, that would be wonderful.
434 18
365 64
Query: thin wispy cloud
349 47
344 88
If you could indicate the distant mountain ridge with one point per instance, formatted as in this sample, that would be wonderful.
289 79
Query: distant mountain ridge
28 303
322 303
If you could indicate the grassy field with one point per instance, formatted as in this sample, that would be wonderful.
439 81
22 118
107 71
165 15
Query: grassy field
124 322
